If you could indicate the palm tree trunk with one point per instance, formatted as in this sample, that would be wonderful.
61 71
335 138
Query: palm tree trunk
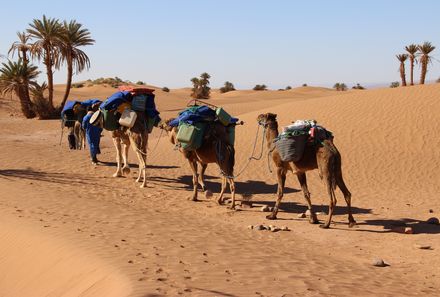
411 60
25 102
48 62
402 74
424 63
69 80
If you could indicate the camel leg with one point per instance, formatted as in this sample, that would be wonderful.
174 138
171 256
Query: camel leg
347 197
232 187
332 204
303 182
126 168
193 165
202 175
222 192
281 176
117 143
83 136
142 170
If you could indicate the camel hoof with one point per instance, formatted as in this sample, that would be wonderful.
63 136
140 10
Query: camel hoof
193 199
117 174
220 201
271 217
324 226
352 224
232 207
143 186
126 170
313 221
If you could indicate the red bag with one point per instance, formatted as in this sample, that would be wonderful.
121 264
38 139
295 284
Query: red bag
136 91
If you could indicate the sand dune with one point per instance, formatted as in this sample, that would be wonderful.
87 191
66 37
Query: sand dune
60 211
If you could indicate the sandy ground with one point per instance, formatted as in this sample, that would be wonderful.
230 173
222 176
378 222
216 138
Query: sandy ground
68 228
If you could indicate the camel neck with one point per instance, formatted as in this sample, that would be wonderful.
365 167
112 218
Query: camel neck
271 133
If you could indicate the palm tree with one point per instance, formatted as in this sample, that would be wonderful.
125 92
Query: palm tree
196 86
412 50
74 35
402 58
15 77
425 49
47 33
22 47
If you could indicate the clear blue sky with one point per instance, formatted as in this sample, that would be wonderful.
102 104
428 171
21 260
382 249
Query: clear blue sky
277 43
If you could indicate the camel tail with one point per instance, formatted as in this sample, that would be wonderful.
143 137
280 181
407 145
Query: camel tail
334 164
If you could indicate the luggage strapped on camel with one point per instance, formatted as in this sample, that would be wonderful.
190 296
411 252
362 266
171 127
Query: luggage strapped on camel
194 121
292 141
120 109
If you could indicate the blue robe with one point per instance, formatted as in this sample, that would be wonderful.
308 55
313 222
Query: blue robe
93 135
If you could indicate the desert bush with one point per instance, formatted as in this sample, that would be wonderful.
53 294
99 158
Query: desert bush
77 85
438 80
394 84
260 88
304 85
165 89
140 82
358 87
227 87
340 87
281 89
288 88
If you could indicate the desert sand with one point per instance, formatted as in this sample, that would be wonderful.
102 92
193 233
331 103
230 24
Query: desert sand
68 228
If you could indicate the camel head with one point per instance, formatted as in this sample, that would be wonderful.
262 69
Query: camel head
265 119
171 131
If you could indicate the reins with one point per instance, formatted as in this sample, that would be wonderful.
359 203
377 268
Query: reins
252 157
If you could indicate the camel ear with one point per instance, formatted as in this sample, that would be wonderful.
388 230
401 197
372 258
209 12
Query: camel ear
271 116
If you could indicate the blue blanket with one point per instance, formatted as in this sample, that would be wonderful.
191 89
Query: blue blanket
90 102
196 114
68 106
115 100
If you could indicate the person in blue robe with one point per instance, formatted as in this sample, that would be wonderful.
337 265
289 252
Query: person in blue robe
93 135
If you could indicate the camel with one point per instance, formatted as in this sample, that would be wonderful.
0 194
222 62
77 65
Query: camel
326 158
215 140
76 130
137 136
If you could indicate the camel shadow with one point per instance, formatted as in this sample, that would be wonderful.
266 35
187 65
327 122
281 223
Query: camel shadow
249 187
297 207
134 166
419 227
52 177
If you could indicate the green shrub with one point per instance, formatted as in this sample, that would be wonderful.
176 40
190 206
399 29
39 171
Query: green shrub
288 88
394 84
304 85
140 82
227 87
260 88
340 87
358 87
165 89
77 85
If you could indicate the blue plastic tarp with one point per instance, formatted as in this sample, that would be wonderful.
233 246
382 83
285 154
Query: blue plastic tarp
90 102
68 106
115 100
196 114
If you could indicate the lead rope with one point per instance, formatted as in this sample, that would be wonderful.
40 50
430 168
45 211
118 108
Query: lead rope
252 155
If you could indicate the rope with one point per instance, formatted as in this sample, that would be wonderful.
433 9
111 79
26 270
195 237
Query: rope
252 155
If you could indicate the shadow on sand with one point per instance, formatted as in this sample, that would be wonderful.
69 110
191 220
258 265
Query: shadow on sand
249 187
52 177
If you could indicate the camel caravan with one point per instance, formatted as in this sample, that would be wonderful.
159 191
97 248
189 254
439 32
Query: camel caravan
204 134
